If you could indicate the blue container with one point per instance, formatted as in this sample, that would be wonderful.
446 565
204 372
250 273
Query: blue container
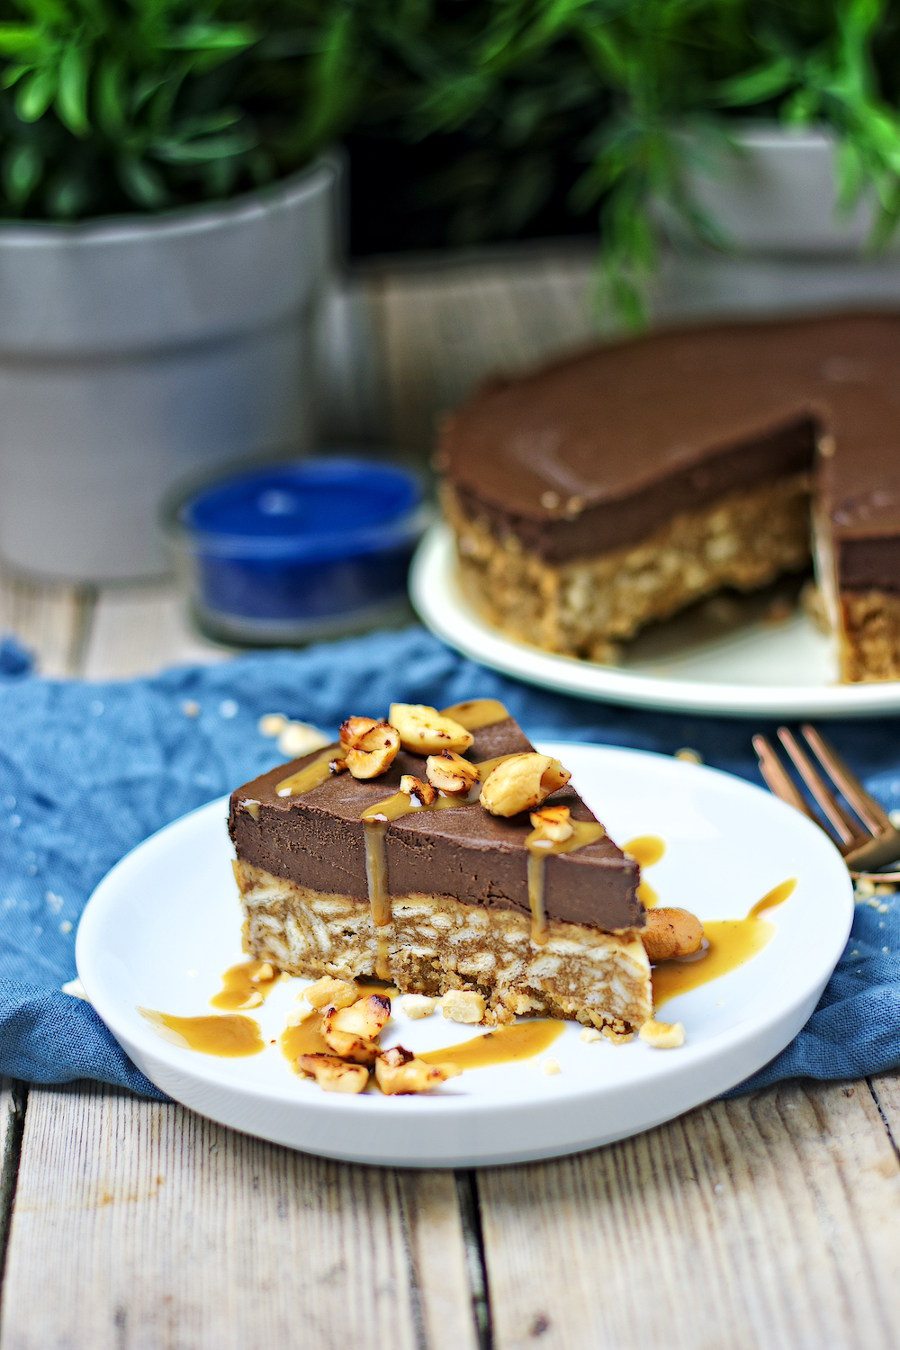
297 551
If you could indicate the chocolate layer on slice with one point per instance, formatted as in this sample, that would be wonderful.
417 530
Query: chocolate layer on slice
317 840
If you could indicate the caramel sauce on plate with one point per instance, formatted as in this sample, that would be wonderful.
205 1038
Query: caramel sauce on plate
729 943
240 990
505 1045
645 849
229 1036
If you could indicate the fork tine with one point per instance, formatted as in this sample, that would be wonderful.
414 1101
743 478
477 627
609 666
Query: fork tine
777 777
870 812
813 780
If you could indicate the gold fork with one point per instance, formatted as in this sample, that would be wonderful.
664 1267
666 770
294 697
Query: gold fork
865 836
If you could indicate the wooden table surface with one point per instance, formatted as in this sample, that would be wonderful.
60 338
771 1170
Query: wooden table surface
769 1221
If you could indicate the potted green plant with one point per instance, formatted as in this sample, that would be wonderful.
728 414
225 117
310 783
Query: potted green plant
743 128
166 221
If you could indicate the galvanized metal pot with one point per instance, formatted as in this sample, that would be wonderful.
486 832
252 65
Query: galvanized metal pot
136 351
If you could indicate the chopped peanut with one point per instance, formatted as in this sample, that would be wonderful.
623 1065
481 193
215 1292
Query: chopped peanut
370 747
421 792
397 1071
451 774
334 1074
553 823
328 992
522 782
662 1035
417 1006
425 731
353 1032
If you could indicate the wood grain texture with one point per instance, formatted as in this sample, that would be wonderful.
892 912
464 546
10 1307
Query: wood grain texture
155 1228
138 630
48 619
760 1222
885 1088
12 1105
444 331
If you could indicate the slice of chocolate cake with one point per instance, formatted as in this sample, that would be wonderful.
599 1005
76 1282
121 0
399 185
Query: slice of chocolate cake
467 862
598 494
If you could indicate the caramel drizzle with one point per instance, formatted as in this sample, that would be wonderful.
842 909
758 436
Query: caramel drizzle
311 776
539 848
375 821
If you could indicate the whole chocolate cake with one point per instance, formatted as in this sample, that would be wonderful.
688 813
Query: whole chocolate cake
598 494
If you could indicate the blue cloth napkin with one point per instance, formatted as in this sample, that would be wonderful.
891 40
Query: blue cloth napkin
89 770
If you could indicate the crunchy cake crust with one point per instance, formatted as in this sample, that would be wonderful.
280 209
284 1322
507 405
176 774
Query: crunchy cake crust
870 637
435 943
587 606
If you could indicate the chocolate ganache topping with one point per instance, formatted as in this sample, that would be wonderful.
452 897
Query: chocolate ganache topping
596 451
314 833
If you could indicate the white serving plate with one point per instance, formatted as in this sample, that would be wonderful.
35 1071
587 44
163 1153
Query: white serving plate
165 923
753 669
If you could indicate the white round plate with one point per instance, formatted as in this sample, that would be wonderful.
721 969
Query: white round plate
165 923
694 663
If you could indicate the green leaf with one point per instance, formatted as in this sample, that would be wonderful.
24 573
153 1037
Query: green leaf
22 168
35 94
110 97
143 184
18 39
71 96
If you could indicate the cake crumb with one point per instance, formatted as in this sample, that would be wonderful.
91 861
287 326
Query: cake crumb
299 738
662 1035
228 709
190 707
589 1034
272 724
463 1005
688 756
551 1067
75 989
65 927
418 1005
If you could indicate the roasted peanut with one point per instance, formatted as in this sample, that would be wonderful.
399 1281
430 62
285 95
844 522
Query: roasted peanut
425 731
553 823
521 782
397 1072
670 933
333 1074
451 774
370 747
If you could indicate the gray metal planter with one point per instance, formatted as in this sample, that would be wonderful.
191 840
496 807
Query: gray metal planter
776 202
136 351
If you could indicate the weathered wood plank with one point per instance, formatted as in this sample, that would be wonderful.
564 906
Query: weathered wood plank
760 1222
12 1105
154 1227
444 331
885 1088
49 619
139 629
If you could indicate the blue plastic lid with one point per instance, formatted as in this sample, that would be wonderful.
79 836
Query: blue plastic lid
312 509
